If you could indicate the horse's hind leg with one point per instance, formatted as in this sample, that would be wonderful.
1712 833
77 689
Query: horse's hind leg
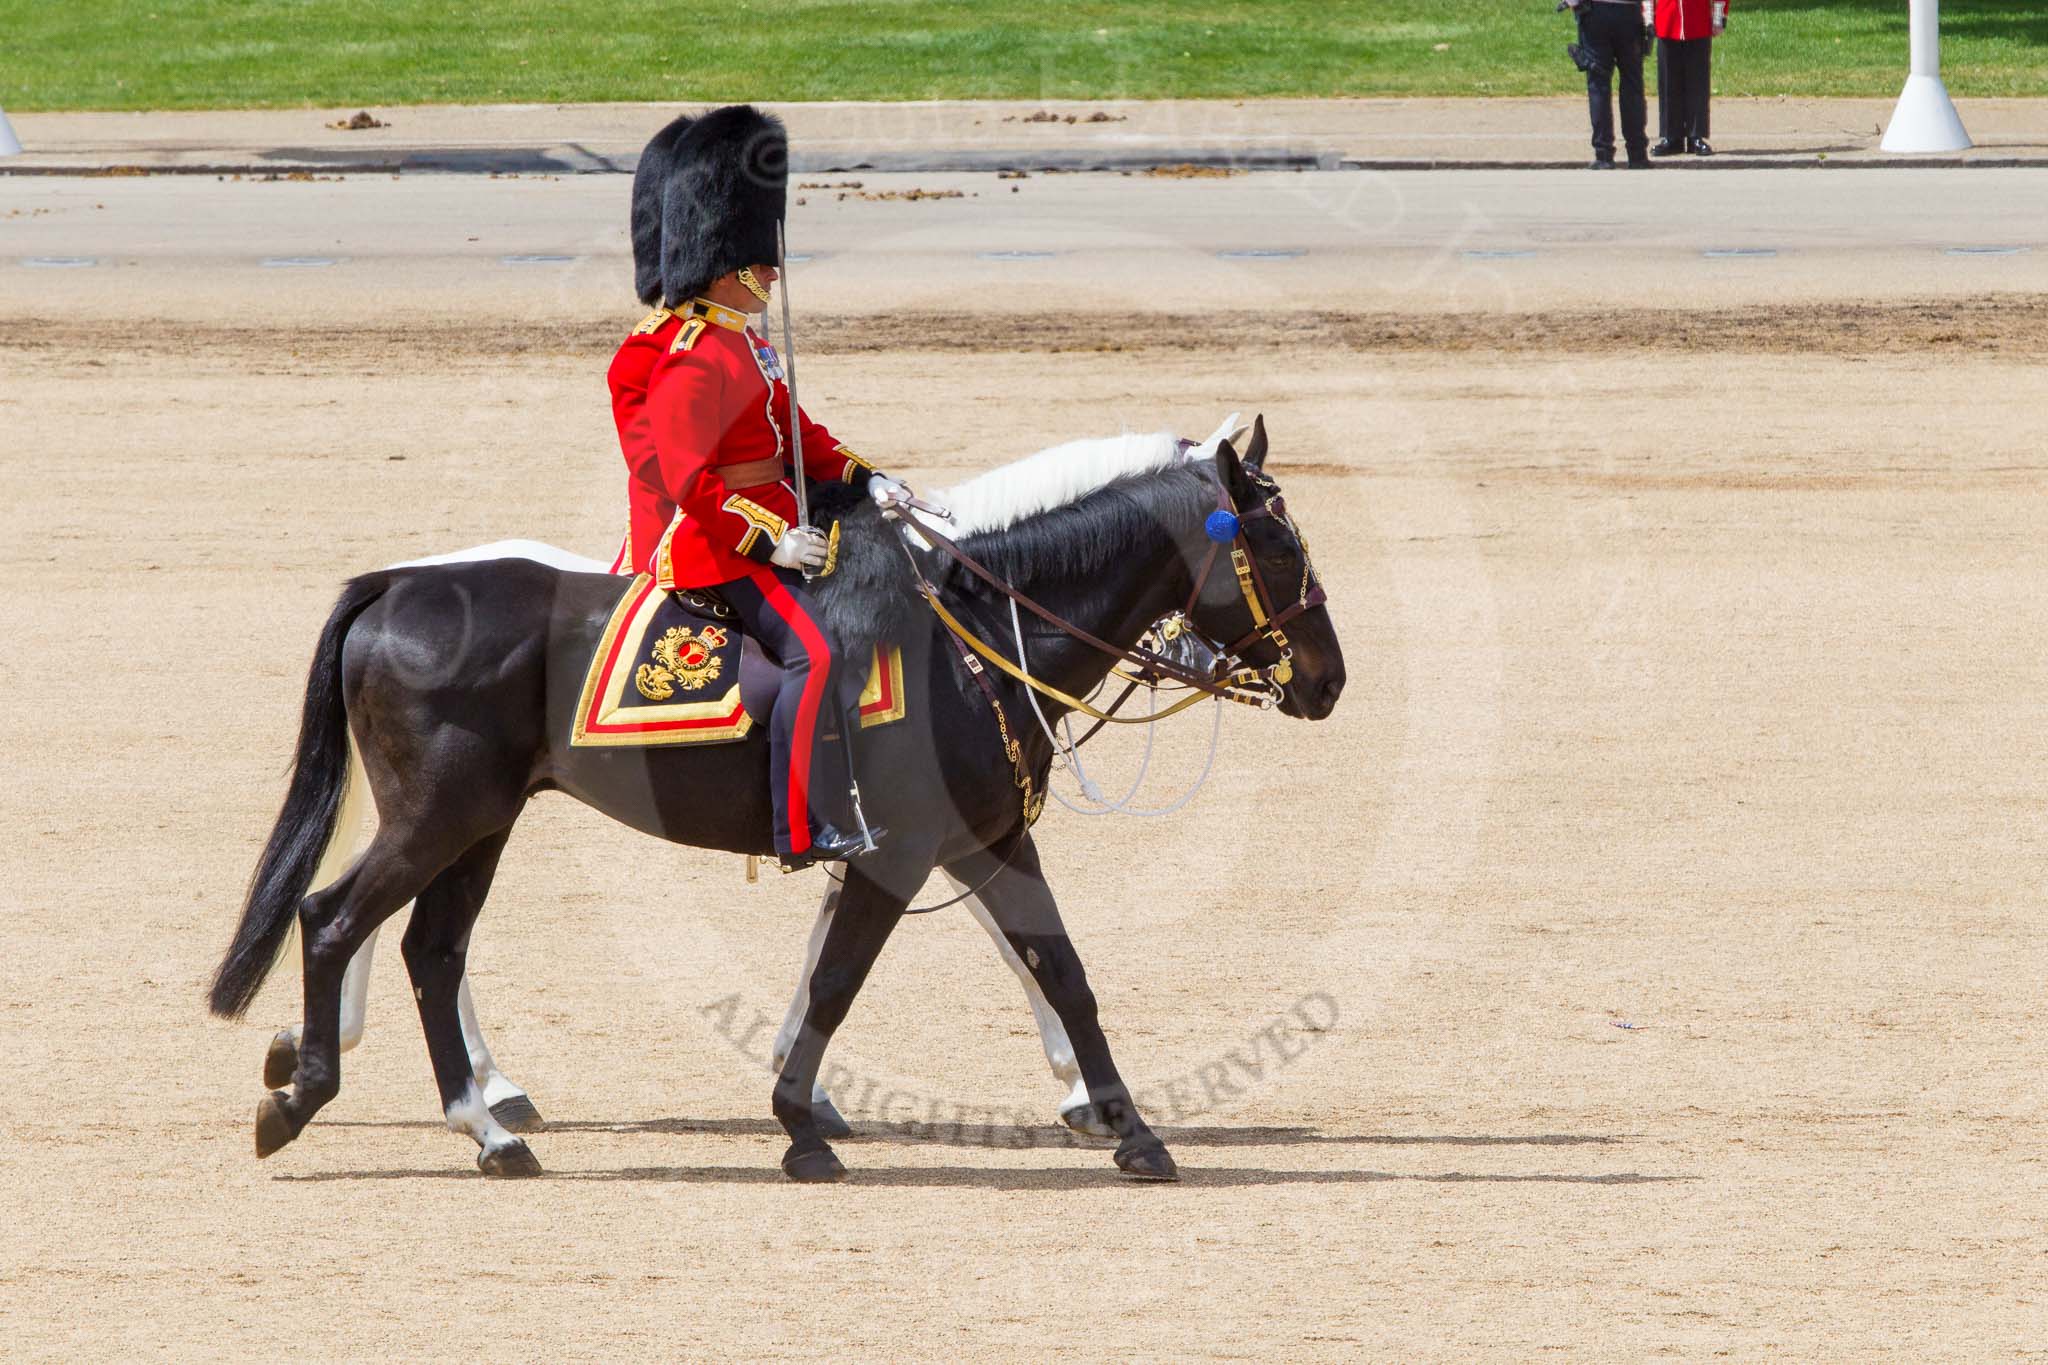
283 1058
436 948
1021 904
333 924
510 1105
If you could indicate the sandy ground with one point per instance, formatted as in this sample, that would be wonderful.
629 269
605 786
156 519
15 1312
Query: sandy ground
1651 937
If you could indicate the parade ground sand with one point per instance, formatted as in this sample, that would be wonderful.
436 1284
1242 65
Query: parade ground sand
1646 959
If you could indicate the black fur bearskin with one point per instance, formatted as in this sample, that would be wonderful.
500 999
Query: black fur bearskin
726 191
650 178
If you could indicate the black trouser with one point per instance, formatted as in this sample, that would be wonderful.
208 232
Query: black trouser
806 734
1685 74
1614 35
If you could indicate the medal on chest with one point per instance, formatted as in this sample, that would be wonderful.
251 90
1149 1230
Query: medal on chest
770 363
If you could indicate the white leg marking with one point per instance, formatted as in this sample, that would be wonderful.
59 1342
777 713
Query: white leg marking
471 1115
355 991
497 1088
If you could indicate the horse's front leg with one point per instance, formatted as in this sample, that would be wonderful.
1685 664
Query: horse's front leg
1076 1111
1022 906
868 911
831 1123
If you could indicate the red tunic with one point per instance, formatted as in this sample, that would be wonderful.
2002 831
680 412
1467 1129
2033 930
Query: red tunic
711 405
648 509
1684 20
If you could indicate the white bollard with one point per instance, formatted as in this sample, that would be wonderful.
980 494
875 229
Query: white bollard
1925 119
10 145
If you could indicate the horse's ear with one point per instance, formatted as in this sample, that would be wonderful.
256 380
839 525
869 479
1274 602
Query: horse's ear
1230 472
1255 453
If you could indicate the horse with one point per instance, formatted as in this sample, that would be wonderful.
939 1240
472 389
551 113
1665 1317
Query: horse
459 685
509 1103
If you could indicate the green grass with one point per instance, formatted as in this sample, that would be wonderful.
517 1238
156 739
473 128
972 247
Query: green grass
186 54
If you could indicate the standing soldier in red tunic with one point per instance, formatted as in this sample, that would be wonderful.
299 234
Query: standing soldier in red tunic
719 416
1686 30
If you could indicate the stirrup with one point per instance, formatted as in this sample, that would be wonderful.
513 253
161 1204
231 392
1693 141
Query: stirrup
828 845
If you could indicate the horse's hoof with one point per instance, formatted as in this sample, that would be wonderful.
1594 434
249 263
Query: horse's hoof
516 1114
281 1061
513 1161
273 1125
825 1116
1147 1163
812 1165
1087 1120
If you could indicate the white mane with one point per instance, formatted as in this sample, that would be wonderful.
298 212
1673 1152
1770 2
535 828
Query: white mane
535 550
1061 475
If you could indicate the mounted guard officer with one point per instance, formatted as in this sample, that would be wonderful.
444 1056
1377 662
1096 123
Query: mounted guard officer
718 415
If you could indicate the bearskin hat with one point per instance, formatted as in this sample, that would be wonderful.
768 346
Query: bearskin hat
650 178
727 189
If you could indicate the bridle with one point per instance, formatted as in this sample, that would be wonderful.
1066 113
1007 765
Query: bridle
1227 520
1231 679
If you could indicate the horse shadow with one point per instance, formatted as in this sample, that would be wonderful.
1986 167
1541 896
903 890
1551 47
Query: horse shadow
1015 1177
1029 1137
998 1138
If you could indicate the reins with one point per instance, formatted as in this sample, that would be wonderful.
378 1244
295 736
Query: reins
1233 680
1249 686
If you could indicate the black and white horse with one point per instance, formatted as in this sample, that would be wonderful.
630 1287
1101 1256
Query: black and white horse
451 751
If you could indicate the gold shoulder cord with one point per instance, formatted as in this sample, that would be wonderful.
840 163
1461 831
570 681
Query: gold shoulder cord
687 337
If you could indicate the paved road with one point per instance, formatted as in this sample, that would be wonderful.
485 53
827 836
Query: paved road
991 135
1506 240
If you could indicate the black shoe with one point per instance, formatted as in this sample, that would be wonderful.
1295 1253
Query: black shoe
828 845
1603 163
1639 163
1700 147
1666 147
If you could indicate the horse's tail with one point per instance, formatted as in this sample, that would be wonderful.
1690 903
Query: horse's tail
306 825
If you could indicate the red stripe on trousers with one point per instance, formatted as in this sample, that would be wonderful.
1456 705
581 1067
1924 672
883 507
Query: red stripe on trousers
813 640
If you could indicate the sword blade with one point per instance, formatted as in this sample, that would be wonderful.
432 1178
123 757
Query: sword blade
796 426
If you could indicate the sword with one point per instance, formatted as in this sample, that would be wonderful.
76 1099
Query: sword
848 723
796 426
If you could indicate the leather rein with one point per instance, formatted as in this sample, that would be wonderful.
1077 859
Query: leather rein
1237 681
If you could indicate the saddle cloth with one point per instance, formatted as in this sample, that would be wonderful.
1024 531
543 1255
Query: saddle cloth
669 671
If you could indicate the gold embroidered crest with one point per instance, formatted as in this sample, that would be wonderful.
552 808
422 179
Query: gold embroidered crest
682 658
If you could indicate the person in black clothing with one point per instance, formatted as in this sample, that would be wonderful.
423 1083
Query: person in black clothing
1611 40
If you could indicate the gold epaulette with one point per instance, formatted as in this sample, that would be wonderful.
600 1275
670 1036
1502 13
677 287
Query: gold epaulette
651 324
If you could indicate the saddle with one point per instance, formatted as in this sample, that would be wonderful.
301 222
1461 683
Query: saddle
676 668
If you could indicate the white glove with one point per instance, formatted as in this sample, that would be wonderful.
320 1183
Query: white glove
801 547
887 491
